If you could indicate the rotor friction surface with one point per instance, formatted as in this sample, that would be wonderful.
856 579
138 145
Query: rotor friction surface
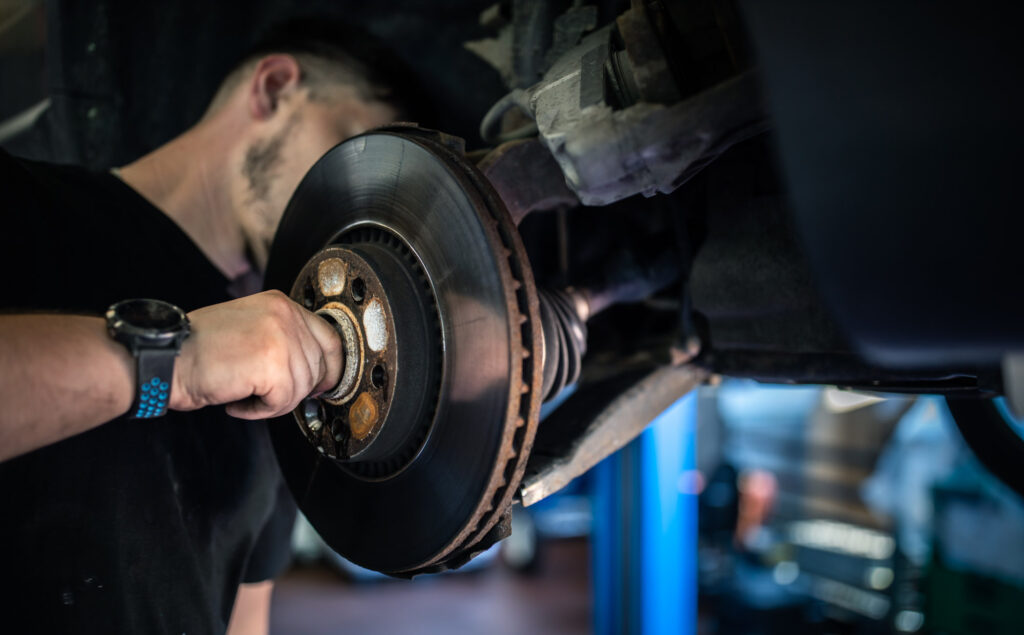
444 503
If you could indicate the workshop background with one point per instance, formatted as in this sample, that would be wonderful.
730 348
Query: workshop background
746 508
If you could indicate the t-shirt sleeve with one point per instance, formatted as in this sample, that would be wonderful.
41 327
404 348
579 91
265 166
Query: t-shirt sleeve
25 216
46 237
271 554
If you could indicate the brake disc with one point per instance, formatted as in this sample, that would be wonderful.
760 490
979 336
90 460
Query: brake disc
411 462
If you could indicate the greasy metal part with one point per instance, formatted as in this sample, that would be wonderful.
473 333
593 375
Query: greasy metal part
564 314
569 28
362 416
311 416
643 64
400 327
330 275
607 155
375 325
618 424
508 119
532 28
352 351
407 202
565 340
613 116
341 286
629 282
527 178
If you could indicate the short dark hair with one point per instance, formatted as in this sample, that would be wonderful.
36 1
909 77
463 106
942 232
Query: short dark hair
330 50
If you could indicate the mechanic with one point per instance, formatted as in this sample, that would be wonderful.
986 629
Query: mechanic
113 522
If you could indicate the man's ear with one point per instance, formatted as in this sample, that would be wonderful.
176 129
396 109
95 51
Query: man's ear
275 76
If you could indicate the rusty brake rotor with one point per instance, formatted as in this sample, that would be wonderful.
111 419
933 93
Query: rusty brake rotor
411 462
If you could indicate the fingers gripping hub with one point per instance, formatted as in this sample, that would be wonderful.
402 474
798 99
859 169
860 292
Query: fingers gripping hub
345 323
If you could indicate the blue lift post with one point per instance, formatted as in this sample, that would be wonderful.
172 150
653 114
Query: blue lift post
644 543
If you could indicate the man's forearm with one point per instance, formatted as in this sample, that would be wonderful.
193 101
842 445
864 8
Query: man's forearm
59 375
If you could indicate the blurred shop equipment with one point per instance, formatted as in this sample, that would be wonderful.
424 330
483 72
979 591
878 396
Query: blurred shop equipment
839 512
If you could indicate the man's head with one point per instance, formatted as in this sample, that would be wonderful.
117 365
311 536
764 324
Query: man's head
301 90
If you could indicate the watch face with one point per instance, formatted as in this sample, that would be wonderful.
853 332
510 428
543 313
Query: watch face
149 314
146 321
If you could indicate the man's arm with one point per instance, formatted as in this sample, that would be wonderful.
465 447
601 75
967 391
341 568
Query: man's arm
59 375
62 375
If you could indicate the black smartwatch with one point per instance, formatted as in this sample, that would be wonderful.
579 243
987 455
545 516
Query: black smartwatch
153 331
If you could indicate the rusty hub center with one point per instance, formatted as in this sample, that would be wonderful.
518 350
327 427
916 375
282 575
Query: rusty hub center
343 288
369 286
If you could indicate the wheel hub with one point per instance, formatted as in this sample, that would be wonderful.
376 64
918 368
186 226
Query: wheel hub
376 418
409 465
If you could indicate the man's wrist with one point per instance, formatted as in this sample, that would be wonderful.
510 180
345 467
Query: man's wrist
153 331
181 395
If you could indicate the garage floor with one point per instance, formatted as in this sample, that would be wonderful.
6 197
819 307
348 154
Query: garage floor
495 600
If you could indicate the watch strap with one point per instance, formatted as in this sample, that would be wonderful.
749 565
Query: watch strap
155 371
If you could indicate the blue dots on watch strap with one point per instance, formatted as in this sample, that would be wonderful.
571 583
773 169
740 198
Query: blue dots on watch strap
152 399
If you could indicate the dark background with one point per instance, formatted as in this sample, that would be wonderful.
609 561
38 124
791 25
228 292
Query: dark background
125 77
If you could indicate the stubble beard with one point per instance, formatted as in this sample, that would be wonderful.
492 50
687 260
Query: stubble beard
260 168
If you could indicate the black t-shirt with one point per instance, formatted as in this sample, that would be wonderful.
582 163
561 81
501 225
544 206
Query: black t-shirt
135 526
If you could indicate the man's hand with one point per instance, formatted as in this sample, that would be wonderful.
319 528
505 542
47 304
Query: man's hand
63 374
261 355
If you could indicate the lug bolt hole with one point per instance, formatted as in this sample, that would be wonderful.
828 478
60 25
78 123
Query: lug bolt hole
358 290
378 376
308 295
313 414
340 429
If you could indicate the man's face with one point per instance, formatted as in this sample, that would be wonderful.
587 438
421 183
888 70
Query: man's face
277 159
